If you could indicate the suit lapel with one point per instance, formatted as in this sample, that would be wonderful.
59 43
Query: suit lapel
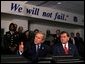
70 48
40 49
33 49
61 50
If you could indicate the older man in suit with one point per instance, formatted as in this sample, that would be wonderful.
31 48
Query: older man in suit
38 49
64 47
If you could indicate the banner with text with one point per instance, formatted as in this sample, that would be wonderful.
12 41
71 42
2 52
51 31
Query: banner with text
41 12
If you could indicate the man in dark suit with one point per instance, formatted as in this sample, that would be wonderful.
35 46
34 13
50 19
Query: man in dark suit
64 47
80 44
11 40
38 49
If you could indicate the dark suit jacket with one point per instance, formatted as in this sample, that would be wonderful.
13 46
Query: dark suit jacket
31 54
71 41
80 45
58 50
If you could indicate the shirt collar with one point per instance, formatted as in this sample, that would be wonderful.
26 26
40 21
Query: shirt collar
66 45
38 44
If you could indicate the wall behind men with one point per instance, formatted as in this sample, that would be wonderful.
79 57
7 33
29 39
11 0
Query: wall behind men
47 25
40 24
6 19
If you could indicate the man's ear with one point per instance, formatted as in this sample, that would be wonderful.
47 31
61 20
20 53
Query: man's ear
68 38
43 41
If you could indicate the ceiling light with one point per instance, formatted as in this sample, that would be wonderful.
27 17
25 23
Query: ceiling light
58 2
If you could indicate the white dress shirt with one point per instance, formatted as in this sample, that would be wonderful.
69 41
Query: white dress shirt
73 40
20 52
66 45
37 47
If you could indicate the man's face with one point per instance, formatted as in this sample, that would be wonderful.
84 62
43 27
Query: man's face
21 47
12 28
64 38
38 38
58 32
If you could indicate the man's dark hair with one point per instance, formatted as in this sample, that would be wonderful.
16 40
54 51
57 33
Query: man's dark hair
64 32
12 24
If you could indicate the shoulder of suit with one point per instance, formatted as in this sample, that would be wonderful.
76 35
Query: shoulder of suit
44 45
8 32
71 44
57 45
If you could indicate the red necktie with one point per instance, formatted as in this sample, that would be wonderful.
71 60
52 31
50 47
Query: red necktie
65 49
